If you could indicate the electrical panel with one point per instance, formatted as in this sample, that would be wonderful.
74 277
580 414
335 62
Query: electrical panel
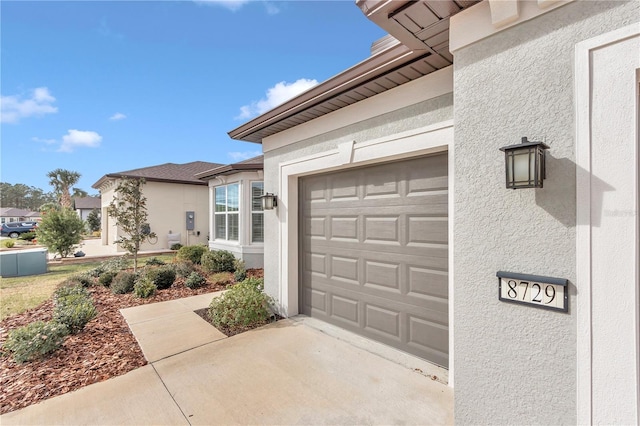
191 221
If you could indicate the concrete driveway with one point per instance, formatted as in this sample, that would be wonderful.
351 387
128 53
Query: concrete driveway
290 372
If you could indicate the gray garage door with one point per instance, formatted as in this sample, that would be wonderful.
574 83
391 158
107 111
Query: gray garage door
373 250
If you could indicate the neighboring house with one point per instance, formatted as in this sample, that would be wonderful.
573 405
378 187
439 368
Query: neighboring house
393 216
235 210
85 205
177 203
11 214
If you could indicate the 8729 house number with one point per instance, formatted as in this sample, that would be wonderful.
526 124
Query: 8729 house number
534 290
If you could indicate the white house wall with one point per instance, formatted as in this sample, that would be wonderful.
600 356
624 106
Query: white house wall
608 239
516 364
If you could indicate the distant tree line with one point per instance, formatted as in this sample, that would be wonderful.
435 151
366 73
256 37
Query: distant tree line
25 197
21 196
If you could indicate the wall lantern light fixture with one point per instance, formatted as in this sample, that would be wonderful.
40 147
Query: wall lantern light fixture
269 201
525 164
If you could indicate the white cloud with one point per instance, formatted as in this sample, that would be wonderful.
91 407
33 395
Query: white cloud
232 5
239 156
117 116
272 9
44 141
14 108
78 139
276 95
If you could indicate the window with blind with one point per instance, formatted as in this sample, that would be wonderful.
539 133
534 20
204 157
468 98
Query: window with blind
257 215
226 215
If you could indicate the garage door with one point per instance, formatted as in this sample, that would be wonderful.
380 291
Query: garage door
373 251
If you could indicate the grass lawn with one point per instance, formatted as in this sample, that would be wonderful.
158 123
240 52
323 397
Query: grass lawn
21 293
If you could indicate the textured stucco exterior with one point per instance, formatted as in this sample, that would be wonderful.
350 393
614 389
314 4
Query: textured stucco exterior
414 116
515 364
167 204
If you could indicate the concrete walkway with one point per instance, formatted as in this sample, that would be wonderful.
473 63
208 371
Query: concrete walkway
289 372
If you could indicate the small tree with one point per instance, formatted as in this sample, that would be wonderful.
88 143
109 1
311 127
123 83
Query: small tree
60 231
129 209
93 220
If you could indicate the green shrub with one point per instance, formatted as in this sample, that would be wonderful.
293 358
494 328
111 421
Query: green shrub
35 340
60 231
242 305
74 309
240 273
184 268
163 276
154 261
27 236
70 288
218 261
85 279
115 264
96 272
107 278
176 246
144 288
8 243
123 282
192 253
257 283
195 280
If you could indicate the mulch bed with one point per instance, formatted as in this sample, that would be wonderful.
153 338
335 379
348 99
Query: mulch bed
232 331
106 348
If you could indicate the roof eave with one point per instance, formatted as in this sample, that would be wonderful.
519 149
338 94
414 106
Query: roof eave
387 58
229 170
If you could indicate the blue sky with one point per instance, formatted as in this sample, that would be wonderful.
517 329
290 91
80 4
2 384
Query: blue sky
101 87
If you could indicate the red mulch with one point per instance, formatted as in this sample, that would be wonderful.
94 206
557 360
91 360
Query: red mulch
105 348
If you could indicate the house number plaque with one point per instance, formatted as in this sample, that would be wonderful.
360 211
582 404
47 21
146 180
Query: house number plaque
533 290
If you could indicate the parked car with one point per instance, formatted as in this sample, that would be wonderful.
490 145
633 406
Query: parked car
14 229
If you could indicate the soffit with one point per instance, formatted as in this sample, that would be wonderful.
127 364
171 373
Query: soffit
420 47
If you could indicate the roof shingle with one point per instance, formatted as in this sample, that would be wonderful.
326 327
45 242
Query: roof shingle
168 172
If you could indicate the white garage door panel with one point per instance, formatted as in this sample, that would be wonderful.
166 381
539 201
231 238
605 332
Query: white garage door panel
374 253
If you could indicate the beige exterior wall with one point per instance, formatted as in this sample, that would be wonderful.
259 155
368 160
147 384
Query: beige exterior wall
167 204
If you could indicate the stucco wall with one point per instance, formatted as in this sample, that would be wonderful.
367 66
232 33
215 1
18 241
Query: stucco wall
415 116
513 362
167 204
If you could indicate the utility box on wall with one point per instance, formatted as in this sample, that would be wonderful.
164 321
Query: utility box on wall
191 221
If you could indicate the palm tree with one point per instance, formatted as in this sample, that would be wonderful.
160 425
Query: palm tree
62 181
79 193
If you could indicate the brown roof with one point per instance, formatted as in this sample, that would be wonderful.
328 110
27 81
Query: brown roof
14 212
87 202
168 172
251 164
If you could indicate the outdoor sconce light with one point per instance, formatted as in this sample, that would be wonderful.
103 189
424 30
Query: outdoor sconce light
524 163
269 201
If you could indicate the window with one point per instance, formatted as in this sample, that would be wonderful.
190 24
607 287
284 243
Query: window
227 206
257 215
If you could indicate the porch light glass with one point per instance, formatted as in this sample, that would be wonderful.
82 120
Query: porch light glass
269 201
525 164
